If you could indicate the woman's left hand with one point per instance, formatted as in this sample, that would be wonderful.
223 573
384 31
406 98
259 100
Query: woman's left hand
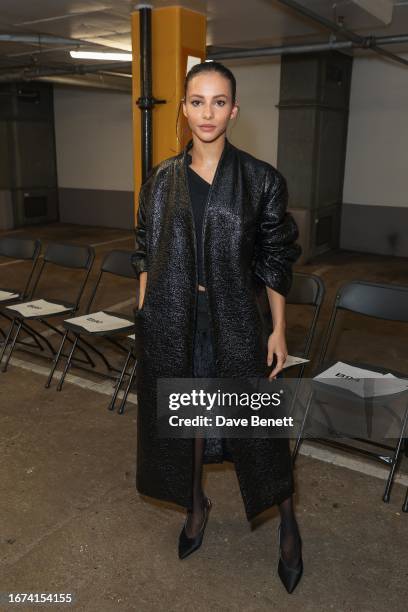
277 346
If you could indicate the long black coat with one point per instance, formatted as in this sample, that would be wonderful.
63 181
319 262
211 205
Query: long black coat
248 242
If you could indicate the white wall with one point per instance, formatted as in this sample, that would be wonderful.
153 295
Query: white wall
258 86
376 170
93 131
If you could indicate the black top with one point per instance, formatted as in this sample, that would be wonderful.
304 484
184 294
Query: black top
199 189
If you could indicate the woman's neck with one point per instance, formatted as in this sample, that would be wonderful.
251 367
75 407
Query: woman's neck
206 154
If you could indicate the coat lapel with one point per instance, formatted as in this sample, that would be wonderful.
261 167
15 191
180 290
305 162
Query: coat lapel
221 162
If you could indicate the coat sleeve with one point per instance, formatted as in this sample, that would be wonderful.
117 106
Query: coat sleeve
139 258
276 249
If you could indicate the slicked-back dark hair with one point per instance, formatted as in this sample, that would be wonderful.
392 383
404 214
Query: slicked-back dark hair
211 67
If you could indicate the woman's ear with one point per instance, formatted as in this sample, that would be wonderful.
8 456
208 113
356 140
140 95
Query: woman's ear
234 112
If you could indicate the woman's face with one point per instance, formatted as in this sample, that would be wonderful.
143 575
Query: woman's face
209 103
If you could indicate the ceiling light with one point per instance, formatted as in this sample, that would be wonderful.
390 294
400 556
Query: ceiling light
95 55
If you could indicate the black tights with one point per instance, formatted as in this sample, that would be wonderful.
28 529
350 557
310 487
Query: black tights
195 517
290 542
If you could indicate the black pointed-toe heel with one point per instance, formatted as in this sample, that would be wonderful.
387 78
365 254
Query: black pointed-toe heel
289 576
189 545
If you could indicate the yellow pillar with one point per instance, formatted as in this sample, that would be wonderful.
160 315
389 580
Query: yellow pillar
177 33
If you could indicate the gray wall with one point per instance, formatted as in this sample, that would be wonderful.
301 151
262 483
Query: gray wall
258 87
94 150
93 131
375 196
100 207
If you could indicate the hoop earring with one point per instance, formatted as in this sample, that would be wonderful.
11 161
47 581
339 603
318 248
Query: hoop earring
178 114
183 136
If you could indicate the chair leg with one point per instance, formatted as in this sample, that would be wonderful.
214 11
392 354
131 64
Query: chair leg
128 387
119 382
36 342
32 332
291 410
7 339
32 336
55 361
99 353
386 497
67 363
13 344
302 427
405 505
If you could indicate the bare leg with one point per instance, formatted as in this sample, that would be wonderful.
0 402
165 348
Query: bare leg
290 541
196 516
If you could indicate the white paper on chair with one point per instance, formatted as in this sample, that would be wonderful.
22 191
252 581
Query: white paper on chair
38 308
100 322
6 295
291 360
365 383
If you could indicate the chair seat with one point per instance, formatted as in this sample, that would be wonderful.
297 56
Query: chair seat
8 295
358 364
39 309
358 415
109 323
357 394
294 360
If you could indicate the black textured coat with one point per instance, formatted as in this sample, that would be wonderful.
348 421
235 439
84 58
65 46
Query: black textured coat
248 242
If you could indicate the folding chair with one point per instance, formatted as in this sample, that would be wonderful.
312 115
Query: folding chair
131 375
308 291
386 302
41 310
24 249
116 263
132 354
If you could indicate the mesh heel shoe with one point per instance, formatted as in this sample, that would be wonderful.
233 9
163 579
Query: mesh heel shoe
189 545
289 576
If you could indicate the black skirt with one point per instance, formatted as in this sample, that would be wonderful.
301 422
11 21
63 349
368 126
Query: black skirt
216 449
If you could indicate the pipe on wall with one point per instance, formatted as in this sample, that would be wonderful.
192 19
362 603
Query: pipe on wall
369 42
41 71
292 49
92 81
145 100
47 39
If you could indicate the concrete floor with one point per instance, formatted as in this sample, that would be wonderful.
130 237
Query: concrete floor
72 521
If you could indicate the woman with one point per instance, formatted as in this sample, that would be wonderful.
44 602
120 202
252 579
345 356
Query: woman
214 243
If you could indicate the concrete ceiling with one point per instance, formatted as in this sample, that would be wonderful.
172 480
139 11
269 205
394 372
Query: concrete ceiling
231 23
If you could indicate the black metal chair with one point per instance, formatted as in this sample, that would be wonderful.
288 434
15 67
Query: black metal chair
116 263
62 256
307 290
23 249
131 355
386 302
